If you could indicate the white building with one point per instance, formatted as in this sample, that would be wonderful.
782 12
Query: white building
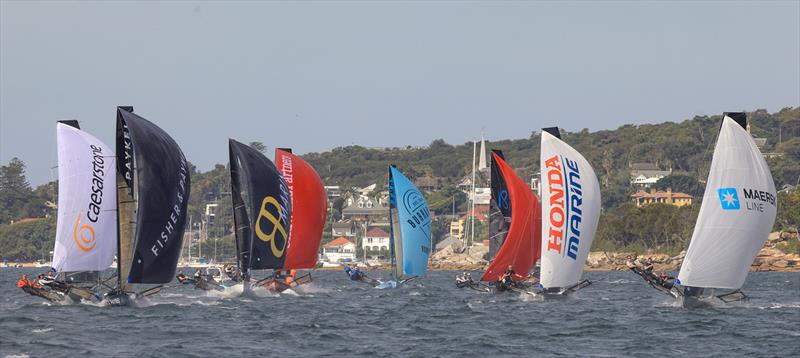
343 228
644 175
375 240
339 250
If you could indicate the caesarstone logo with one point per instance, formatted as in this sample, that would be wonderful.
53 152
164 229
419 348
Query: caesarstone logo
728 198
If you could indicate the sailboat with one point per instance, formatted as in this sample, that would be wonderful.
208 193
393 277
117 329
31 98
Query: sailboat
410 230
519 245
736 216
262 212
309 204
570 213
499 206
152 178
86 226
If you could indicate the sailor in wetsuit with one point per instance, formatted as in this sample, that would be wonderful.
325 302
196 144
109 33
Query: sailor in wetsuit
354 273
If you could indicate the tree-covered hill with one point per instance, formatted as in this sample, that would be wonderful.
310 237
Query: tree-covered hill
685 147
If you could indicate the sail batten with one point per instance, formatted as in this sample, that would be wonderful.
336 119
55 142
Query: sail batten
736 215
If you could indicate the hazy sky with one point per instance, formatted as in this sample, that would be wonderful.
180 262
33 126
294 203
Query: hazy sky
317 75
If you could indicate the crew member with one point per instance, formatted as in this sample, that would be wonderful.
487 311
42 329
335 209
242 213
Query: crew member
354 273
181 278
460 279
666 281
291 274
25 282
507 280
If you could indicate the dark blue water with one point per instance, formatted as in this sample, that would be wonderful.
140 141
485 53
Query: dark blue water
617 316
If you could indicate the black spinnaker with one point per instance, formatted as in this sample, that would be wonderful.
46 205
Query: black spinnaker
499 208
152 195
261 209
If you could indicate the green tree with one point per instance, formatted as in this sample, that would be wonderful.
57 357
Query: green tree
15 191
681 183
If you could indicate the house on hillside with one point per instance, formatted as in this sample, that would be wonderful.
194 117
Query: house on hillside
481 213
644 175
661 197
339 250
375 240
457 229
366 209
343 228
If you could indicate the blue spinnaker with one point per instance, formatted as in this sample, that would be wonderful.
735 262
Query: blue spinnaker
410 226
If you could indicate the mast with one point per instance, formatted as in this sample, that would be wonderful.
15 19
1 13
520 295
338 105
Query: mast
392 239
471 215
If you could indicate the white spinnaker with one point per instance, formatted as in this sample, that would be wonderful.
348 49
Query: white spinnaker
580 205
86 233
729 232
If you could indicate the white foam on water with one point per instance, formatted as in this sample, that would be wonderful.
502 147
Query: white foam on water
41 330
414 293
228 292
17 356
311 288
618 281
290 292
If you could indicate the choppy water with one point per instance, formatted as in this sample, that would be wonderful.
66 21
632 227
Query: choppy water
617 316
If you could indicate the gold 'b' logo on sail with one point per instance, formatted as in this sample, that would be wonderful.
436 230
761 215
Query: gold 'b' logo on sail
277 227
86 240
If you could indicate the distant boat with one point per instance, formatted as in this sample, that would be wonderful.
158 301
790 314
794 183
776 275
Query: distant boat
736 216
263 222
152 195
410 230
519 242
86 226
570 213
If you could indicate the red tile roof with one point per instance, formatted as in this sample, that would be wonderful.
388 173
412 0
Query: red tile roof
481 213
660 194
339 241
377 232
25 220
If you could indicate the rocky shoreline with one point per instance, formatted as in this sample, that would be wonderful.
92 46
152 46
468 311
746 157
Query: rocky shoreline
769 259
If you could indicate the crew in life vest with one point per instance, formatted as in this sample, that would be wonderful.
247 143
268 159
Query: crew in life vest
25 282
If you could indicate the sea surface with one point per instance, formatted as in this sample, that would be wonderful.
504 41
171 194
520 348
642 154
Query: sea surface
618 315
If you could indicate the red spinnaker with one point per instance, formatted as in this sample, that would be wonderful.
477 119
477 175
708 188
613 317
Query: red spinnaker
522 246
309 209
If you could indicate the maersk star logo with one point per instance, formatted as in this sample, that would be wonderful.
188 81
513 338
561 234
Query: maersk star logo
728 198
